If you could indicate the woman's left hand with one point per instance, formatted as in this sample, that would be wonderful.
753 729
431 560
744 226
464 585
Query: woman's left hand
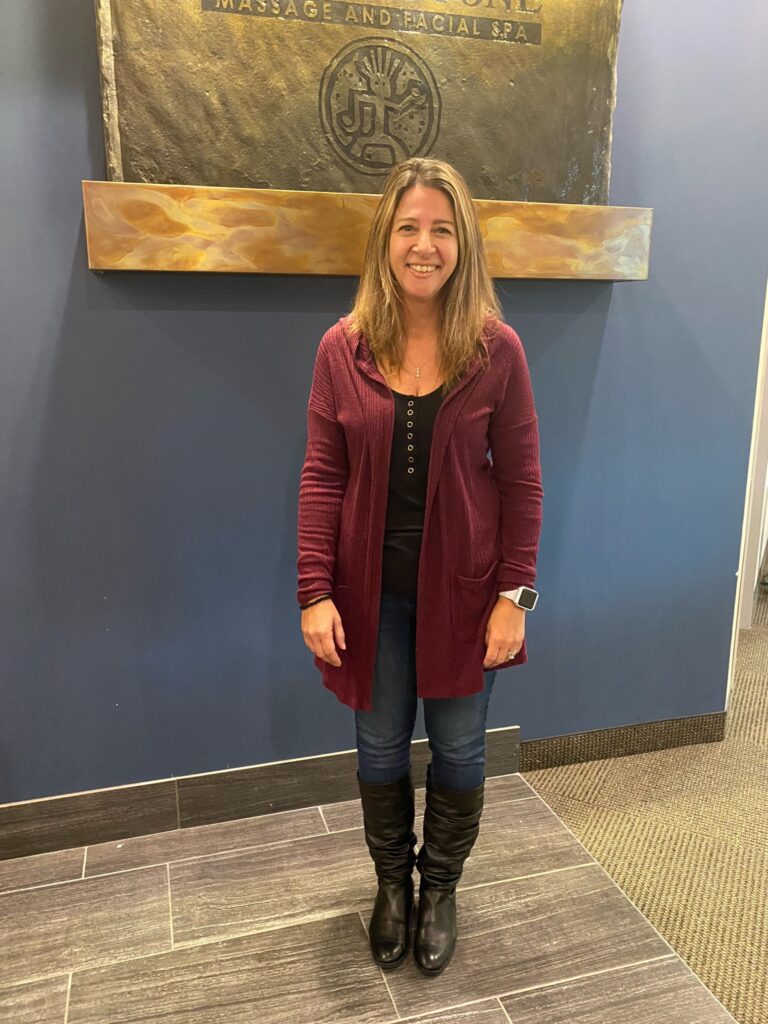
504 633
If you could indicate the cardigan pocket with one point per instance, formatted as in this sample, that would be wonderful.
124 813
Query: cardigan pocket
471 602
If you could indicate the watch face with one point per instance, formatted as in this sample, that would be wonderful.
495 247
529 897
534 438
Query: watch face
527 598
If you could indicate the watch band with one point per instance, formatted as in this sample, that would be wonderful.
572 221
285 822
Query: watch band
514 596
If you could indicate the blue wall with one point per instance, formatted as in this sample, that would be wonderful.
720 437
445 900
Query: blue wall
152 432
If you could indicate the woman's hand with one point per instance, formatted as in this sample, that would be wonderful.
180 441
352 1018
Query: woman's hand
321 625
505 632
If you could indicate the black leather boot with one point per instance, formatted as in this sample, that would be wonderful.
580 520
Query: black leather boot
388 814
451 826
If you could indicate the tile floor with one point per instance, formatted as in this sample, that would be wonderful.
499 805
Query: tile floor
263 921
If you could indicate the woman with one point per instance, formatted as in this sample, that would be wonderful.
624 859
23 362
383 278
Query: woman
400 509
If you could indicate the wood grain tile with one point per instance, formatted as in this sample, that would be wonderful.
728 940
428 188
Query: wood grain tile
532 931
95 921
663 992
219 896
37 1002
346 814
202 840
349 814
320 972
271 887
41 869
519 838
489 1011
40 826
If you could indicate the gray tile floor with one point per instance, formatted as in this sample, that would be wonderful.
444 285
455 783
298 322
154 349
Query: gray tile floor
264 920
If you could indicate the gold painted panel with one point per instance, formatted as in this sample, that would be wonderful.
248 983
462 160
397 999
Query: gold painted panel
270 231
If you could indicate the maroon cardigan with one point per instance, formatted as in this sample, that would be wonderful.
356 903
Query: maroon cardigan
482 520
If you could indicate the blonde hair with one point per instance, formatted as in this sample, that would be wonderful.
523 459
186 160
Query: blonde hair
468 297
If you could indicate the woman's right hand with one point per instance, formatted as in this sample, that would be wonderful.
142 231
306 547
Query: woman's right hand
321 626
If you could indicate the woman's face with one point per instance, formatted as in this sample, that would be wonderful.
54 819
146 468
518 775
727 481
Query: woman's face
423 248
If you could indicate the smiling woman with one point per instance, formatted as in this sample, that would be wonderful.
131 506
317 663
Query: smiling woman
403 520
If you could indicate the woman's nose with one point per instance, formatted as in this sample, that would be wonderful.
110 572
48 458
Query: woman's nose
424 242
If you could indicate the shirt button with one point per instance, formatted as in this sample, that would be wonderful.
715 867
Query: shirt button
410 469
410 424
410 447
410 436
410 458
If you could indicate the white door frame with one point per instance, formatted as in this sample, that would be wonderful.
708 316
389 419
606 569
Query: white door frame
755 504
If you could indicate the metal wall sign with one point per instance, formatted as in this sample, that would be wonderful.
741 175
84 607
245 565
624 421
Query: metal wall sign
327 95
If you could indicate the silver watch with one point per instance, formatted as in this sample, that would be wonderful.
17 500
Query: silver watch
523 597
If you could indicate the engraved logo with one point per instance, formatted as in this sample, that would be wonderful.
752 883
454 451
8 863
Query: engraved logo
379 104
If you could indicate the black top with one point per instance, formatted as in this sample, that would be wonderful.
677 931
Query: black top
409 463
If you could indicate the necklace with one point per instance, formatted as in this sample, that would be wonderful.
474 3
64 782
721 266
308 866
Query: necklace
417 375
418 371
411 373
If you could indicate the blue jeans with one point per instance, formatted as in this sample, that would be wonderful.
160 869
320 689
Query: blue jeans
455 725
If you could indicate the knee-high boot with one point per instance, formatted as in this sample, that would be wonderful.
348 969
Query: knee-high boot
451 826
388 815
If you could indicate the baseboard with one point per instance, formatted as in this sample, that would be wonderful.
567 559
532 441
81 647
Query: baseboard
84 819
576 747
